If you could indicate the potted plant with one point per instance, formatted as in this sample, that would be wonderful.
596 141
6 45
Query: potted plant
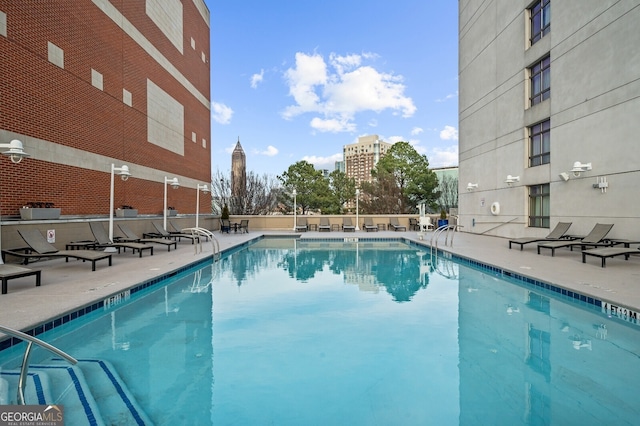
126 211
39 211
443 218
225 213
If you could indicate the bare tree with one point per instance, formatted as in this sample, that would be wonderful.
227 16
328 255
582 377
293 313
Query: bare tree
448 187
260 196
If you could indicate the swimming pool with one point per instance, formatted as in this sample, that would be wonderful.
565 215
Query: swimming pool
320 332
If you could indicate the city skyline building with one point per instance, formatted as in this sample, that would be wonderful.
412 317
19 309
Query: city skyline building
361 157
238 171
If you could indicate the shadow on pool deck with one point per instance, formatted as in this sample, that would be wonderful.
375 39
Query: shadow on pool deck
68 286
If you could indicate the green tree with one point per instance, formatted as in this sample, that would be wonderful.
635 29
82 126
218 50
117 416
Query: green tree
409 171
343 189
311 187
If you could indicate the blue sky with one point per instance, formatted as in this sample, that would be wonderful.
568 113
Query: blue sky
297 80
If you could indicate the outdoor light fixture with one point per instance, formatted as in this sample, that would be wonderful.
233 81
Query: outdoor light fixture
512 179
124 175
16 150
205 190
175 185
295 222
357 214
564 176
471 186
578 168
16 153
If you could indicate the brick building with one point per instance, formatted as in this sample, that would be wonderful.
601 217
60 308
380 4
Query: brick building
88 83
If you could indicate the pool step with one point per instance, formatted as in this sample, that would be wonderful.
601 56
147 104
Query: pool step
91 392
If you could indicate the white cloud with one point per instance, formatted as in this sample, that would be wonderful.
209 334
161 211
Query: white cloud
323 162
332 125
449 133
271 151
394 139
373 123
256 79
444 157
449 96
416 131
221 113
339 90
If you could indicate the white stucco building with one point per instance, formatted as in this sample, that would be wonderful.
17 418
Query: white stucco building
544 85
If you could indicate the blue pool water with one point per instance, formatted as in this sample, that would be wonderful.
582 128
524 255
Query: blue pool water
287 332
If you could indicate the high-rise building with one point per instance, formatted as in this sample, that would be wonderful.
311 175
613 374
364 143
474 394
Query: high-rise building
85 84
548 116
361 157
238 171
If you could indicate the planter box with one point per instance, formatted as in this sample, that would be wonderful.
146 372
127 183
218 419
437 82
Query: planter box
172 212
39 213
126 212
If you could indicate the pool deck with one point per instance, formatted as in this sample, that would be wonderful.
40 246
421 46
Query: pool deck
69 286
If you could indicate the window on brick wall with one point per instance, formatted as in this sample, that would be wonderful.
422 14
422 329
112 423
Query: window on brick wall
539 197
540 78
540 143
540 19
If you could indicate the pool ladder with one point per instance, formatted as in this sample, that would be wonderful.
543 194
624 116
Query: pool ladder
202 232
444 229
24 369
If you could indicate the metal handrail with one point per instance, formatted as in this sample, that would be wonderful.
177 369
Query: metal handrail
200 232
24 368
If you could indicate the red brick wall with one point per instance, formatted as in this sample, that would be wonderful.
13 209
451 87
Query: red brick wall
41 100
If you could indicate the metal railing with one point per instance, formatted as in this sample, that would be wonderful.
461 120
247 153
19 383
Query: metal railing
202 232
24 368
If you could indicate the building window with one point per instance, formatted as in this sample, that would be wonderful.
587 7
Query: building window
540 81
540 143
540 19
539 197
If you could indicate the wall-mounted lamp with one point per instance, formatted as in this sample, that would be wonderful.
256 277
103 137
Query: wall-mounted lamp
512 179
16 150
578 168
471 186
175 185
564 176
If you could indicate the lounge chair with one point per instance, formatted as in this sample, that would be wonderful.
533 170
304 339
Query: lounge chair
324 225
9 272
225 226
40 248
244 226
369 226
162 233
594 239
347 226
395 225
131 236
558 233
302 225
102 241
605 252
